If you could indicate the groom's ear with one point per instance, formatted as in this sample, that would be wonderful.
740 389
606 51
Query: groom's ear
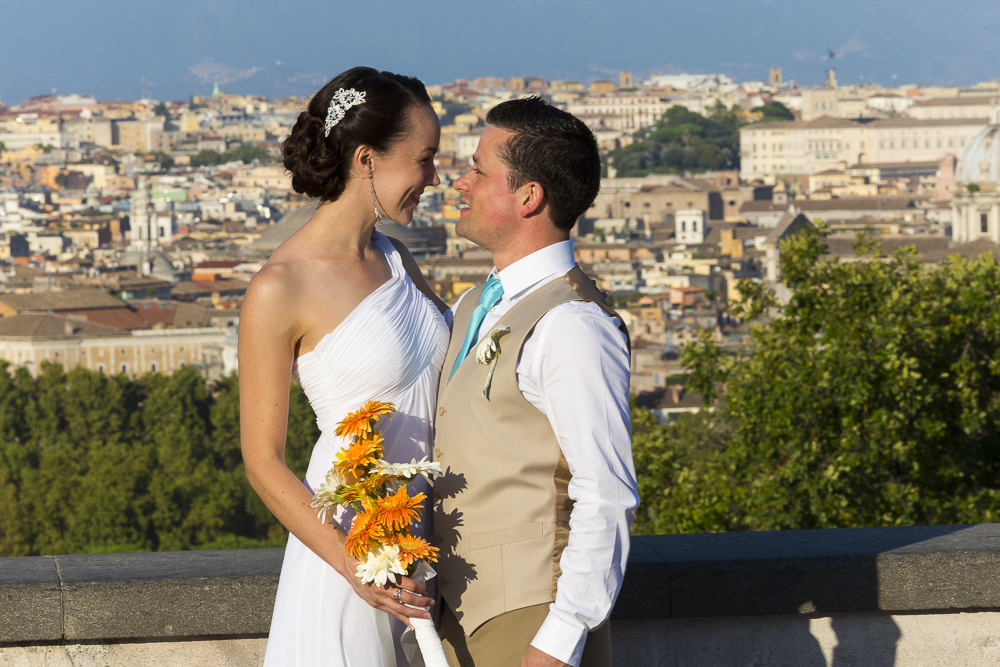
531 197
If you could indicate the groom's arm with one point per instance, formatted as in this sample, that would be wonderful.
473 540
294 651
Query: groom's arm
575 369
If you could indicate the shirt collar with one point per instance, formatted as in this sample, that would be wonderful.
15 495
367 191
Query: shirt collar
551 261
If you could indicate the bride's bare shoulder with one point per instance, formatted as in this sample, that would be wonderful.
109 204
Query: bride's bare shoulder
276 287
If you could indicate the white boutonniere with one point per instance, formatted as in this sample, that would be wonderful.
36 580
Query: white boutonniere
489 351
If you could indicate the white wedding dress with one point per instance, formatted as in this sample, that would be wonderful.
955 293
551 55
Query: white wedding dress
390 348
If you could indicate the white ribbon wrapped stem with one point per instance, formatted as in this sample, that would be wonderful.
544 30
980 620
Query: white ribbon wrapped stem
431 652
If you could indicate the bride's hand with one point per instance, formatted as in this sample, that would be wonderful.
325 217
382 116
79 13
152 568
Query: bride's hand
410 594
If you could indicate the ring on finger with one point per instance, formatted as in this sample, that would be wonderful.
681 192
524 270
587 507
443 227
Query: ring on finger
398 595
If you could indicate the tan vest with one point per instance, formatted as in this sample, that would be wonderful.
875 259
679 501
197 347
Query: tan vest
501 511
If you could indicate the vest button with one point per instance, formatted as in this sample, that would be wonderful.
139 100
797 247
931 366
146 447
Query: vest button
437 453
438 540
442 581
441 412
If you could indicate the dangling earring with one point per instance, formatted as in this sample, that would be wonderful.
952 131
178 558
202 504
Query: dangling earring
371 188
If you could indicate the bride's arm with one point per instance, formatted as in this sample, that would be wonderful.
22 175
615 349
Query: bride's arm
267 342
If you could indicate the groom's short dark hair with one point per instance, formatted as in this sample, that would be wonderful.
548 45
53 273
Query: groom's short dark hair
554 148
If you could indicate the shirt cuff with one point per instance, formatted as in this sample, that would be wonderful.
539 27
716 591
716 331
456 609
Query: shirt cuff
562 636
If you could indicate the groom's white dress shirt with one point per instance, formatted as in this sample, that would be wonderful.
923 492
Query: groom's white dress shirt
574 368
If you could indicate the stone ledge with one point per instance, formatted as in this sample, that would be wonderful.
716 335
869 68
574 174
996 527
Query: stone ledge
921 568
197 594
143 595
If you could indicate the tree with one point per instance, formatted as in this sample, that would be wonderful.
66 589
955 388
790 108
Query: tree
205 157
161 109
872 398
683 141
774 112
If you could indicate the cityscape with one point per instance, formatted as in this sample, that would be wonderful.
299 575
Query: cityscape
129 229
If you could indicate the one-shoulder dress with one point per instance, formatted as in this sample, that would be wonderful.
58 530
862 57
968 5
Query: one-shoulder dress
390 348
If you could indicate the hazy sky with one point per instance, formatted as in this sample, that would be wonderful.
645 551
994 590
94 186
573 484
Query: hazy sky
108 48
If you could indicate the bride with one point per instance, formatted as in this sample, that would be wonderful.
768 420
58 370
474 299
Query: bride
344 310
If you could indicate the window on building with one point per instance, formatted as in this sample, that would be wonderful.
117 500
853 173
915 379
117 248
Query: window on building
101 368
683 225
153 367
182 363
124 368
123 351
984 223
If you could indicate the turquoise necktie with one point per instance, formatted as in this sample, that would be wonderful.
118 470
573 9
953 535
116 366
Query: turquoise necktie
489 298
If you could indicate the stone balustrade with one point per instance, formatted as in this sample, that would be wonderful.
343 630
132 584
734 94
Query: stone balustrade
870 596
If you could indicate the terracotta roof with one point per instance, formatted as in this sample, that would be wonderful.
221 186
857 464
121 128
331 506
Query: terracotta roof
119 318
209 286
219 264
968 100
843 204
895 165
935 246
61 301
44 325
906 121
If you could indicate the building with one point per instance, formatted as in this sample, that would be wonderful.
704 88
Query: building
30 340
769 150
976 198
622 111
690 226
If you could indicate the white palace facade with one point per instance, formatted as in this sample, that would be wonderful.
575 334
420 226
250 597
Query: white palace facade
768 150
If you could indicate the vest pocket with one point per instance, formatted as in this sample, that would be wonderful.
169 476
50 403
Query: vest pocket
492 538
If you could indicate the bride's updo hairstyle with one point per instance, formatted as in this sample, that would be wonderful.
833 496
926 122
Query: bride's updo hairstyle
320 165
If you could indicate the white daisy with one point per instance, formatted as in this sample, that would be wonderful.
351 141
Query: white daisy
381 566
326 499
429 469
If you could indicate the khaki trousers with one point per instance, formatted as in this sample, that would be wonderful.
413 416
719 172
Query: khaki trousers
501 641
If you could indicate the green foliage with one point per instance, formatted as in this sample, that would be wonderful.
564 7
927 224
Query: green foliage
3 147
95 464
871 398
246 153
774 112
161 109
683 141
972 187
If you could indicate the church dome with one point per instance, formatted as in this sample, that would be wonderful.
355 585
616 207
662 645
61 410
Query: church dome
980 161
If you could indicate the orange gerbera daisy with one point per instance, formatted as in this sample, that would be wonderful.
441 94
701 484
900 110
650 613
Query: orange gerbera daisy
362 420
361 454
368 489
398 510
364 535
414 548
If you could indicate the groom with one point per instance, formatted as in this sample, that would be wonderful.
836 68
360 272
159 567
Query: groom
533 515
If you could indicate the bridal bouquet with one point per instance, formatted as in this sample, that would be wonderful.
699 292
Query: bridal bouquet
380 536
